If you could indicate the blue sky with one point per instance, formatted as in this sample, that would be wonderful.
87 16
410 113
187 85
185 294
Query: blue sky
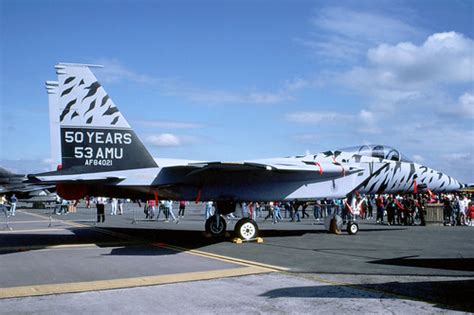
234 80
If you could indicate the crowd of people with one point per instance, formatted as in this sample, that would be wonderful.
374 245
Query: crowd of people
8 205
407 209
165 207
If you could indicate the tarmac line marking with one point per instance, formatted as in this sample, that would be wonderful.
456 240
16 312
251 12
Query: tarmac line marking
68 246
33 214
94 228
75 287
29 231
37 221
239 261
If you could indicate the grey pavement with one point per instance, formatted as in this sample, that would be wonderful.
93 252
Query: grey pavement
256 294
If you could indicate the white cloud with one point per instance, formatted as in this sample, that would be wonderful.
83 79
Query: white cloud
316 117
168 124
115 71
228 97
459 164
356 24
466 102
296 84
173 140
398 77
345 34
418 158
308 138
27 166
365 121
164 140
456 157
442 58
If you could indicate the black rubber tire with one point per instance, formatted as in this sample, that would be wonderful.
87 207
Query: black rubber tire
213 229
352 228
246 229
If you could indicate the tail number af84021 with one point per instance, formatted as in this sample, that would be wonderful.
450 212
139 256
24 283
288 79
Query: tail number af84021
98 156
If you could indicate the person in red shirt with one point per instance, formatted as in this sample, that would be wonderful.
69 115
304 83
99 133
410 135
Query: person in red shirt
379 202
182 207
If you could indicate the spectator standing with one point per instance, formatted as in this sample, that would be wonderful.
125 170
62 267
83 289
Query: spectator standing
317 211
169 210
370 207
447 210
296 214
120 206
64 206
13 201
391 208
303 210
269 207
379 202
463 206
100 209
182 207
114 205
276 213
208 210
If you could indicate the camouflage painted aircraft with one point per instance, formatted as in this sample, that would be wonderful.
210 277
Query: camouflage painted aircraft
100 155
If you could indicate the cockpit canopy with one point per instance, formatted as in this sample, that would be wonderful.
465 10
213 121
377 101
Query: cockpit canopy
377 151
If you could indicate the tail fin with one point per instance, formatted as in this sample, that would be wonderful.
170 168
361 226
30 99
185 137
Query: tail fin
94 135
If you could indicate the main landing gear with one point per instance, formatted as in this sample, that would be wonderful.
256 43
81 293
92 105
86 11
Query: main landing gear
216 225
246 229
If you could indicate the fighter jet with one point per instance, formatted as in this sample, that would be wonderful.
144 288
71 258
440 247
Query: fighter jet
102 156
11 183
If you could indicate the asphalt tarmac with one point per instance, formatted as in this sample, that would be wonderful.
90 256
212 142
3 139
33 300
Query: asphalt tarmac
70 264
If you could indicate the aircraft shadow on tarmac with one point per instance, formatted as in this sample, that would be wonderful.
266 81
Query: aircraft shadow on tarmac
463 264
449 295
189 239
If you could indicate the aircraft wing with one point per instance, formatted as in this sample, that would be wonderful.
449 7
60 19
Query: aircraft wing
201 173
306 180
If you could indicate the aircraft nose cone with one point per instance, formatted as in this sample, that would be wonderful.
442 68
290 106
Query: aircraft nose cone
439 182
455 184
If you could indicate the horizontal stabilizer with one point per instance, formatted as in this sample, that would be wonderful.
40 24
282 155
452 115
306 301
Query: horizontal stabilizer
57 177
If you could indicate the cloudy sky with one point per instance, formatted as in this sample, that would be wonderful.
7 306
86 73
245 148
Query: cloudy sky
235 80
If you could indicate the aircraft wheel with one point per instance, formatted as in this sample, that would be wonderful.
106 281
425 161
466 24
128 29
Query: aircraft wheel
216 229
246 229
352 228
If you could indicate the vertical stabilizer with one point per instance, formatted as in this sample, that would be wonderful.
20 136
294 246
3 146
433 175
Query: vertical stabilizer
53 100
95 136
